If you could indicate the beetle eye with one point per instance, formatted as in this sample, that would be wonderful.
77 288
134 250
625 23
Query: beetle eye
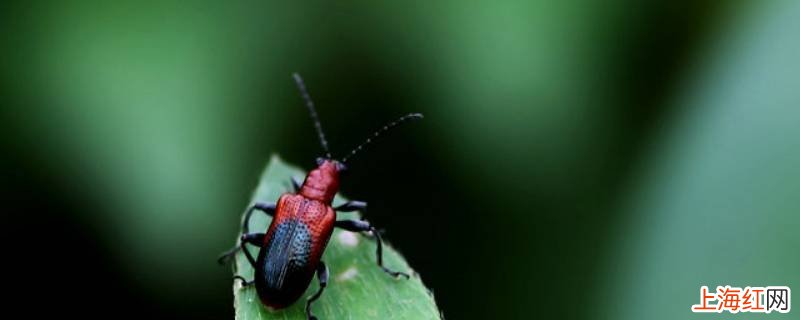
320 161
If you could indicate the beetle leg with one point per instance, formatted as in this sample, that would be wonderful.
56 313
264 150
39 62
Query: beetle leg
363 226
225 256
296 184
256 239
322 275
268 208
245 283
352 205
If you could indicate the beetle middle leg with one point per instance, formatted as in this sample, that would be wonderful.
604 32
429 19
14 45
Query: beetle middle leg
256 239
267 208
245 283
363 226
322 275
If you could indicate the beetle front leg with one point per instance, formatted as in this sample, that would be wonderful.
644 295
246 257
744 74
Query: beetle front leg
352 205
322 275
296 184
363 226
268 208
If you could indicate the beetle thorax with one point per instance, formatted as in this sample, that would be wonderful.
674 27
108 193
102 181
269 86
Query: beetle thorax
322 183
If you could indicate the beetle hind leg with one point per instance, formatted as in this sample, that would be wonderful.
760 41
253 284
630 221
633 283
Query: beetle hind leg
322 275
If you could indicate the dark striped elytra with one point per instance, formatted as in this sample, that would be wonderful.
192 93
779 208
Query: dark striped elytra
293 246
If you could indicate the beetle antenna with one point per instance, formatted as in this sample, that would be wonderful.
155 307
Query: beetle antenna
380 131
301 86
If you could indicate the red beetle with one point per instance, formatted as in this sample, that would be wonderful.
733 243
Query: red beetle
291 249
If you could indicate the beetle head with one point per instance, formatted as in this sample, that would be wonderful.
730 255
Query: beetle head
340 167
322 183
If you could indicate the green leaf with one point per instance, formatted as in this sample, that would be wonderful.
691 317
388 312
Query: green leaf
357 288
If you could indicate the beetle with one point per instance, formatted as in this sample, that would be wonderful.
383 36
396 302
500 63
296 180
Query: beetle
302 223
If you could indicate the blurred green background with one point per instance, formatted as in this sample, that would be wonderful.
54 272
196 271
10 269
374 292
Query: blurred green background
578 159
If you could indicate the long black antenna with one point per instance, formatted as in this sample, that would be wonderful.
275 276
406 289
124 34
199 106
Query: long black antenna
311 110
385 128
